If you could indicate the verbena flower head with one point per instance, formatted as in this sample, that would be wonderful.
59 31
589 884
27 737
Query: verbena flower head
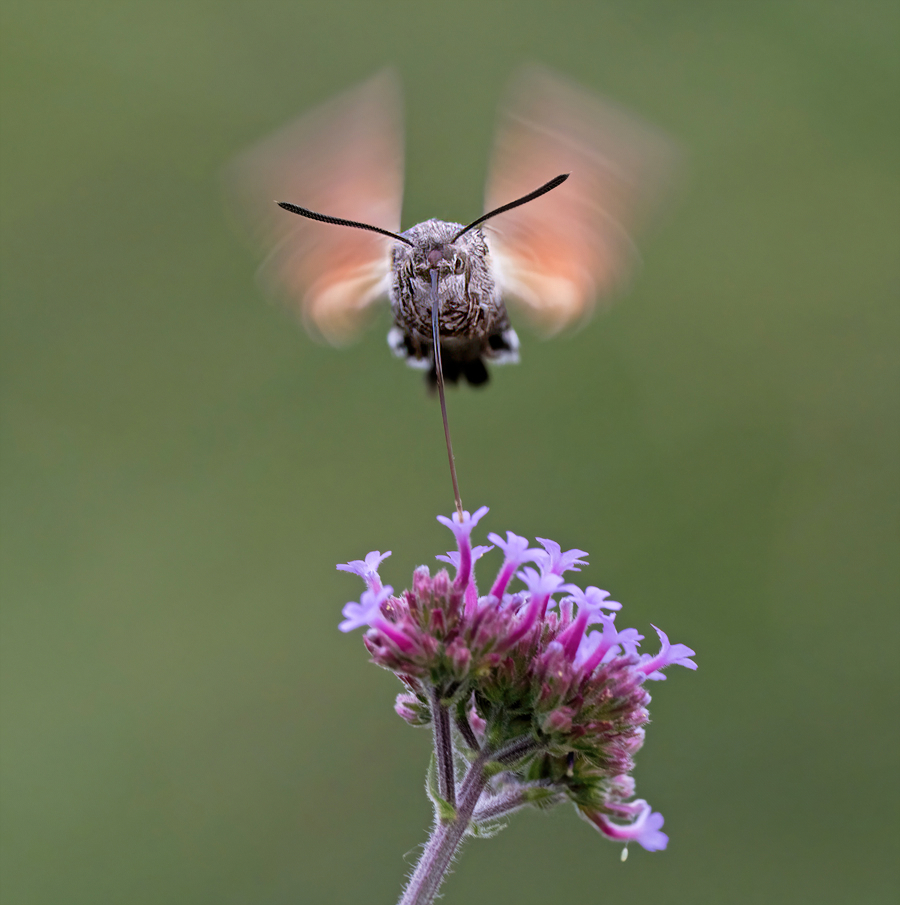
536 670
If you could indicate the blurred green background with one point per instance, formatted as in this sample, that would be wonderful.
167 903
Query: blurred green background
182 467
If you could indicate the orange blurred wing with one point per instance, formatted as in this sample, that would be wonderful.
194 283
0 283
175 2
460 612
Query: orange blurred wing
343 159
559 254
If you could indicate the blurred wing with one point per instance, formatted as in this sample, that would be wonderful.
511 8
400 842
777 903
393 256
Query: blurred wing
557 255
343 159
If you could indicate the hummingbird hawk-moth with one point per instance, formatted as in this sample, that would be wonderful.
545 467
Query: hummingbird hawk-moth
553 248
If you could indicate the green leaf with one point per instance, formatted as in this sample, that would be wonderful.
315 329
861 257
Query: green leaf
487 829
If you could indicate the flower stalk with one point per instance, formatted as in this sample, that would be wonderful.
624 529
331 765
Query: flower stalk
445 838
443 748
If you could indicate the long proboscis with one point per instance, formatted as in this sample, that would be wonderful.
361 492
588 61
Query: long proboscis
439 375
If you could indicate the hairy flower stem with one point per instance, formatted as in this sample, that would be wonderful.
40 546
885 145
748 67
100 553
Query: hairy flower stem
465 730
443 748
507 802
446 837
516 749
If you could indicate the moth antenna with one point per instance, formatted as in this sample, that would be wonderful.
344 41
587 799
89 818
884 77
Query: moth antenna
337 221
439 373
546 187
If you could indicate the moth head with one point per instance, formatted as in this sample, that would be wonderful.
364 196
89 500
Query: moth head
435 246
445 259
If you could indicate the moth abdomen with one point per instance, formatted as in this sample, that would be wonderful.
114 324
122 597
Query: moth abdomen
474 372
462 359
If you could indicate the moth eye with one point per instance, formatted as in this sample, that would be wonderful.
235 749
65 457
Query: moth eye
459 265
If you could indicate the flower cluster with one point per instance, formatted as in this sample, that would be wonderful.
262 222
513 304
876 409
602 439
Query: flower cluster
540 676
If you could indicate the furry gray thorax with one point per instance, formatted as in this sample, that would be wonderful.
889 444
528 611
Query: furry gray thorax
473 321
